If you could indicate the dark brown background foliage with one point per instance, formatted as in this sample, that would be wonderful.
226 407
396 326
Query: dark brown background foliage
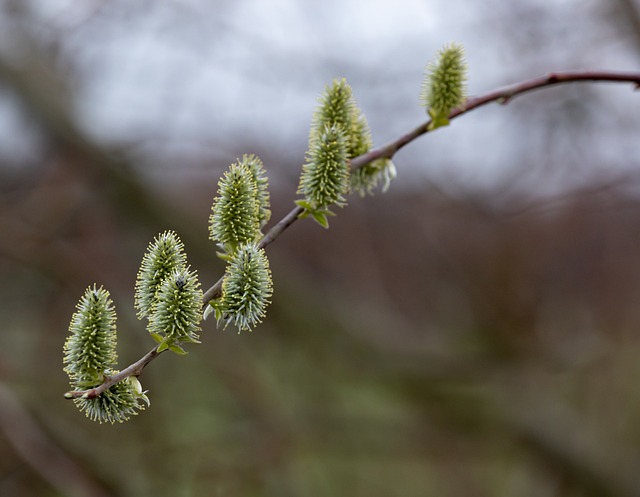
473 332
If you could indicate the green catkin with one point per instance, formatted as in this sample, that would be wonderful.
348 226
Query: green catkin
90 356
117 404
360 136
247 288
164 255
256 167
235 214
444 84
338 110
177 314
90 348
325 175
338 107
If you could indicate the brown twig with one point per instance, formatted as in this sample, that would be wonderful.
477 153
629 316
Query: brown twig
134 370
502 95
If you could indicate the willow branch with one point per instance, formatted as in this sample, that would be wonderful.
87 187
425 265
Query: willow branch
501 95
134 370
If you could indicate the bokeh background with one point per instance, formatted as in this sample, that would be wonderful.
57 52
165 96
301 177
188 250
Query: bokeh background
475 331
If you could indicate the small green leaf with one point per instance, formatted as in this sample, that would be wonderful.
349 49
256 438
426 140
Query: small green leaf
437 121
177 349
157 337
207 311
304 204
321 219
162 347
223 255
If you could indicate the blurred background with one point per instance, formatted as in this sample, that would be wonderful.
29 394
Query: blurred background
475 331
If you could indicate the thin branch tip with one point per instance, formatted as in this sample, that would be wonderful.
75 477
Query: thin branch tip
387 151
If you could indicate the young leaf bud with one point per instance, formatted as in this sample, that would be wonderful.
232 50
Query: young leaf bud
117 404
235 213
444 84
325 176
90 348
246 288
164 255
176 314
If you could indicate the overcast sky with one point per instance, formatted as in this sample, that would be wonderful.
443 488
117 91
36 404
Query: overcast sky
191 80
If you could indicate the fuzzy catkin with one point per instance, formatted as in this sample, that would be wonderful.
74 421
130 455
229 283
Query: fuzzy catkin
90 356
235 213
325 175
177 314
338 107
164 255
117 404
259 175
90 348
444 84
366 178
247 288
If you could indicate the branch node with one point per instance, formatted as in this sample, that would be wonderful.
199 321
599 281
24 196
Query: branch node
553 78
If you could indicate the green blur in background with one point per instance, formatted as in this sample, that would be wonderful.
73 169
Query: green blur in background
439 339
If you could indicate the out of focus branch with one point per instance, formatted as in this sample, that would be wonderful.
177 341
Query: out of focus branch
37 450
41 95
559 438
630 13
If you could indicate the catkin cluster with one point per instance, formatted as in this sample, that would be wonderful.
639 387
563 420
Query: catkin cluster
167 291
90 357
339 132
168 294
240 210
